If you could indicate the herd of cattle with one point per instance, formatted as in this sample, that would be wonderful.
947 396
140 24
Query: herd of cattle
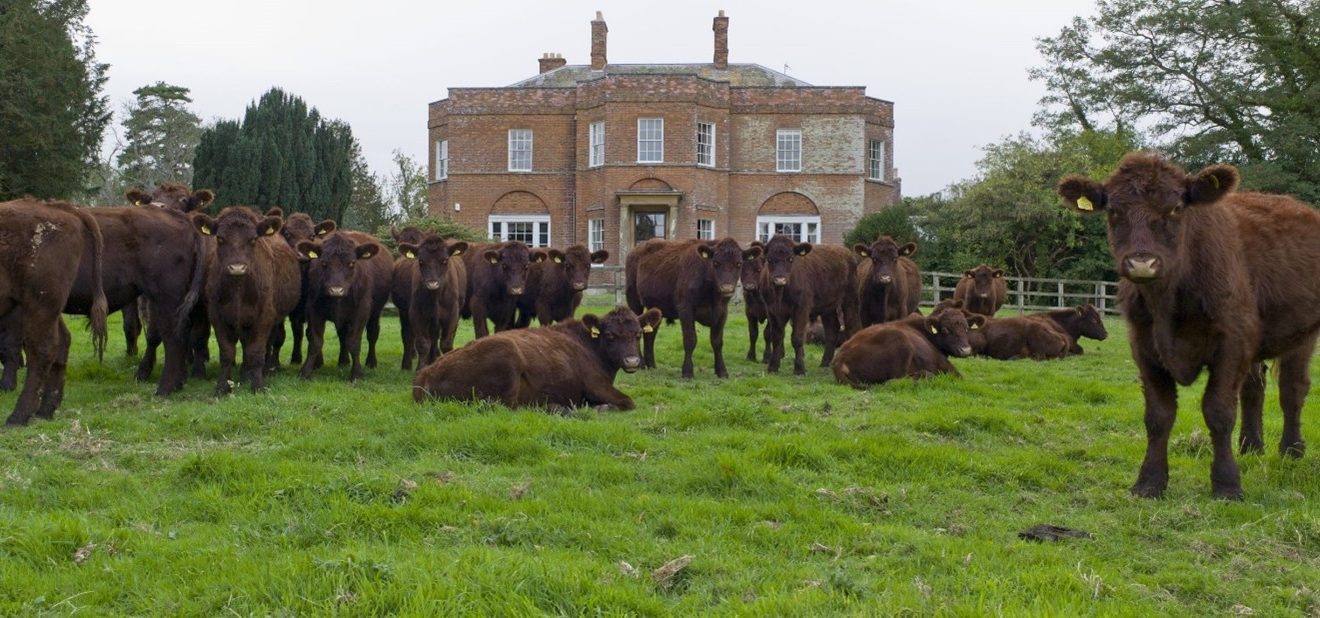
1211 278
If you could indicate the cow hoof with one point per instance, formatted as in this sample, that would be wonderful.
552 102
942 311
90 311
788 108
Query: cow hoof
1227 492
1251 447
142 376
1147 490
1295 450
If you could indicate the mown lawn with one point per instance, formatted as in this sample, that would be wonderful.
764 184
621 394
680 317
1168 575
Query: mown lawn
793 496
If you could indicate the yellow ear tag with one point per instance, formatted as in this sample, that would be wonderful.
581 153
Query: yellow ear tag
975 326
493 260
313 254
137 202
206 229
409 254
595 332
648 329
270 232
322 232
559 260
1214 181
934 330
1084 203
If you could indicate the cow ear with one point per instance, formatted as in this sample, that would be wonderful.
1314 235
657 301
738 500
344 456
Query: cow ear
975 321
599 257
204 223
269 226
325 227
757 243
997 273
492 257
308 249
1081 309
458 248
967 274
592 324
705 251
751 253
137 196
408 251
556 256
367 251
537 257
802 249
200 199
650 320
908 249
1082 194
275 211
1210 184
862 250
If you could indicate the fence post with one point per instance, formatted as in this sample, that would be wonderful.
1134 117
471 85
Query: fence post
1100 297
618 289
935 288
1060 303
1022 296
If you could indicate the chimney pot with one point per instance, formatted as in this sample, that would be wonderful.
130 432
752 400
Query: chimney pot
721 28
598 31
551 61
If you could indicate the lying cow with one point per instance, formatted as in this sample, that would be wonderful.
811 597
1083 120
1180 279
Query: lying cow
1075 323
1019 337
572 363
914 347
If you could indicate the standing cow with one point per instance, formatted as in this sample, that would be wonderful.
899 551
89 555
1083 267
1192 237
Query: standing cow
801 281
753 305
497 276
251 284
555 285
690 281
40 243
436 280
349 283
297 228
982 290
401 284
1211 279
889 285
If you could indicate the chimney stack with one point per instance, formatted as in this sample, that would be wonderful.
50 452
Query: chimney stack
598 31
550 62
721 29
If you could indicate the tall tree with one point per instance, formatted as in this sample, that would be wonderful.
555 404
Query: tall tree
368 209
407 186
1234 81
52 112
161 135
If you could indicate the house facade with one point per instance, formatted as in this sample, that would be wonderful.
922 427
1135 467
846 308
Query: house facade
611 155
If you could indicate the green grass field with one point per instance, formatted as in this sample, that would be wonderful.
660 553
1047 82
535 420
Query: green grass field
792 496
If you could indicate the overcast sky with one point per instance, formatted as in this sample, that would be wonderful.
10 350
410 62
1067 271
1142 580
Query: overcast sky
955 69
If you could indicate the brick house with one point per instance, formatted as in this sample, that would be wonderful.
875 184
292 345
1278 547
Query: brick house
610 155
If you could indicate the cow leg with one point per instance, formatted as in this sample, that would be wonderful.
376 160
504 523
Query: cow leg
1161 395
774 342
717 345
1252 437
1219 407
648 349
274 341
254 360
373 334
52 392
479 327
450 328
406 332
164 327
751 339
765 335
228 351
147 364
801 319
1294 382
354 347
132 327
689 326
315 340
604 394
39 329
11 351
297 324
830 321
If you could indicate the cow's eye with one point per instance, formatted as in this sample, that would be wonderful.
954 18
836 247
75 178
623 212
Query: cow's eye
1176 211
352 264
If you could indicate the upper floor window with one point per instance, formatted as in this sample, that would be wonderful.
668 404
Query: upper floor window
596 138
788 150
595 235
705 229
650 140
442 159
875 160
520 150
798 227
706 144
532 230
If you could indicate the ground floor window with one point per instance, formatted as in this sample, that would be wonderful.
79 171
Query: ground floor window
705 229
596 235
533 230
799 228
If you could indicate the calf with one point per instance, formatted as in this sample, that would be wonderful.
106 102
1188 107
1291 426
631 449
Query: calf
889 285
251 284
436 280
401 284
801 281
497 276
1019 337
555 285
572 363
1076 322
914 347
982 290
40 243
753 305
349 283
299 227
690 281
1210 278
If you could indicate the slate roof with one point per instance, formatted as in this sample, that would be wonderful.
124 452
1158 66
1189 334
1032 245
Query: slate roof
745 75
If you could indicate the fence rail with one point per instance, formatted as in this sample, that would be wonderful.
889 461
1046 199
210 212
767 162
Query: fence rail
1024 293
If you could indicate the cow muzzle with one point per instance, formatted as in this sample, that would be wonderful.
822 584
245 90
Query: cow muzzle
579 287
237 270
1142 267
963 352
727 289
632 363
886 279
780 281
433 284
516 291
338 291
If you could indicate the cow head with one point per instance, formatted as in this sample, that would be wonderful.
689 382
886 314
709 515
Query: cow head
574 264
753 263
299 227
780 253
1147 200
725 259
236 233
410 235
432 256
616 334
983 280
948 327
1090 324
173 196
510 261
884 254
335 260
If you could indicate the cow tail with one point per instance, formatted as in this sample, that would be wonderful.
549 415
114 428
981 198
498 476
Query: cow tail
100 307
183 317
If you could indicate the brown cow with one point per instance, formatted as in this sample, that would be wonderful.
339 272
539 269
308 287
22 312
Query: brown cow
251 284
497 276
753 305
411 235
401 286
350 283
1019 337
982 290
37 242
297 228
1076 322
11 355
436 279
914 347
572 363
889 285
1211 278
690 281
555 285
799 282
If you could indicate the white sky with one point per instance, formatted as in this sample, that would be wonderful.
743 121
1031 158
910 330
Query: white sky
955 69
